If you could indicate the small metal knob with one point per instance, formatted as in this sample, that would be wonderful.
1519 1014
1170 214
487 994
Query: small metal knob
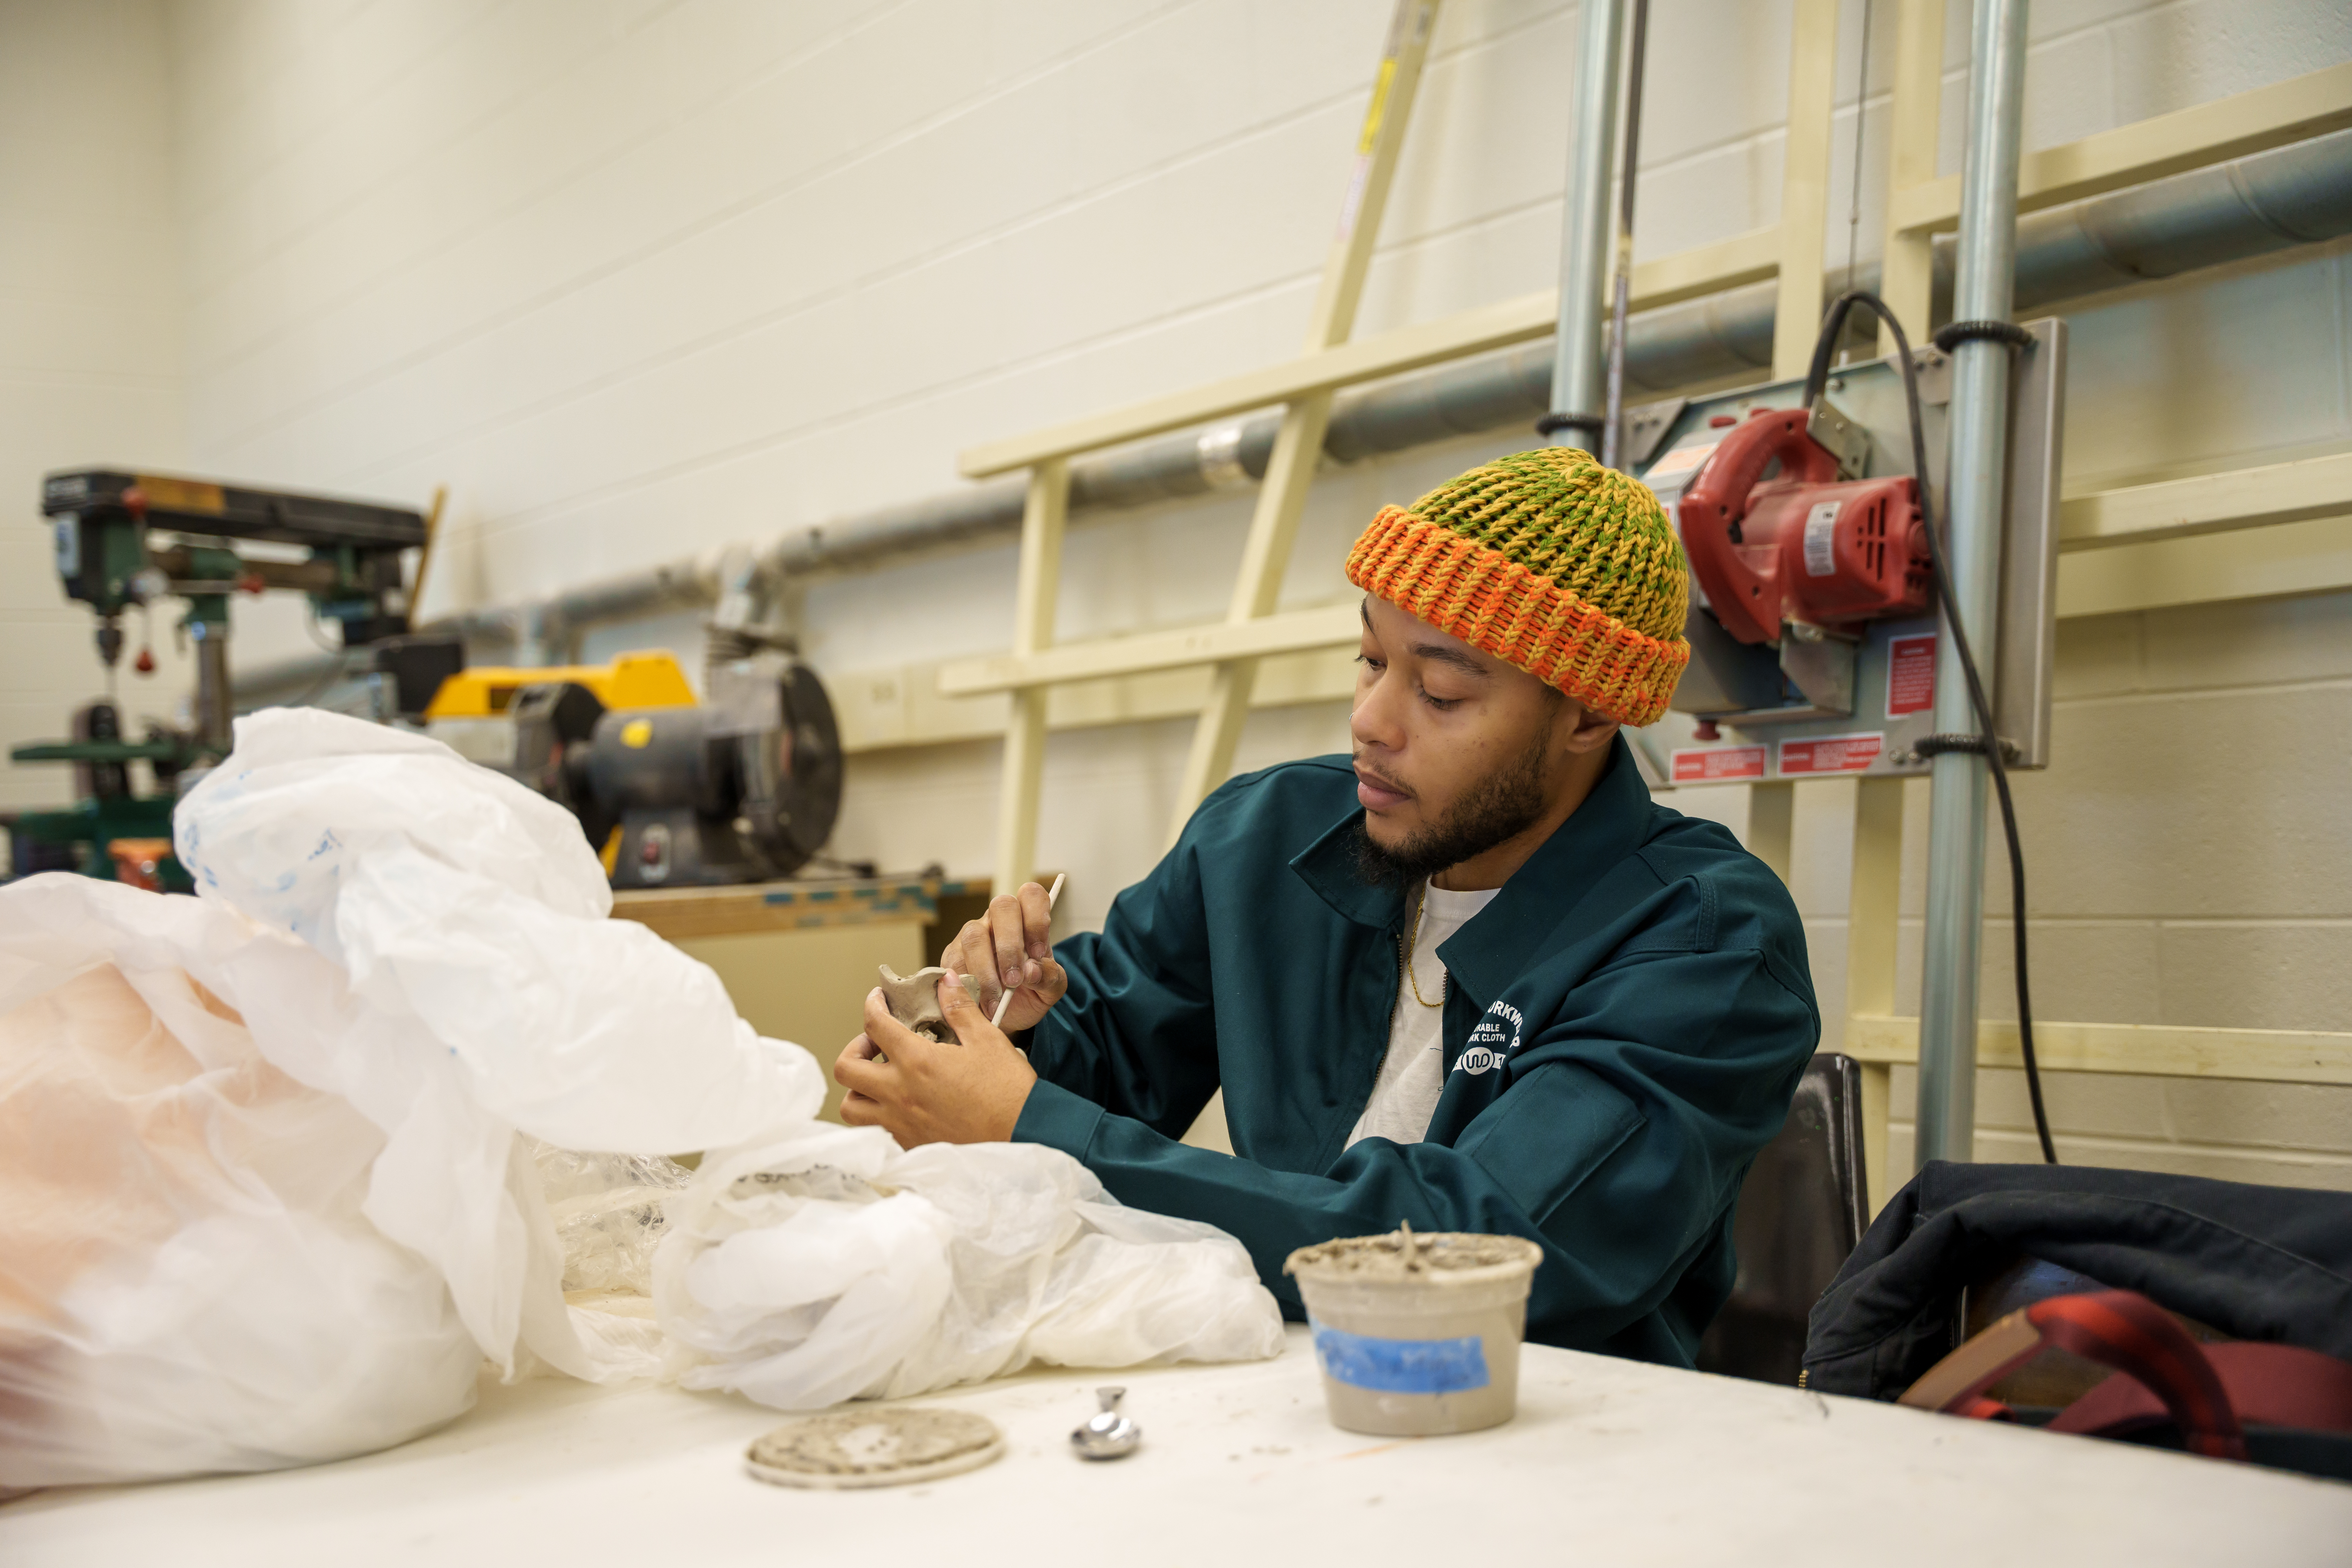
1108 1435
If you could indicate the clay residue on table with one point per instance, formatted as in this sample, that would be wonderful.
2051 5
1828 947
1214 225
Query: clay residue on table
865 1443
1403 1253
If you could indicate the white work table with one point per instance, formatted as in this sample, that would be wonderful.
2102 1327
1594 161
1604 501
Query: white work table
1609 1462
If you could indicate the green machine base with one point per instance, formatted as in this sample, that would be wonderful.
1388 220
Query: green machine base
81 838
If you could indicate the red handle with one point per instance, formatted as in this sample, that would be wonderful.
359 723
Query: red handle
2125 1331
2120 1329
1719 495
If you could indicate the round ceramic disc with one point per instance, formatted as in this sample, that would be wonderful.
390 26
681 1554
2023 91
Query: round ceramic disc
874 1448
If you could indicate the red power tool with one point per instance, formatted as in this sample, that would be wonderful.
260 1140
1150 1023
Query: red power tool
1803 546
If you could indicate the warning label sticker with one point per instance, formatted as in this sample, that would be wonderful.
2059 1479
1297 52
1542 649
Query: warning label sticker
1832 753
1910 675
1821 540
1682 460
1717 764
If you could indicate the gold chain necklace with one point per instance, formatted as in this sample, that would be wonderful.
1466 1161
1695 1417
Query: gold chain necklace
1405 956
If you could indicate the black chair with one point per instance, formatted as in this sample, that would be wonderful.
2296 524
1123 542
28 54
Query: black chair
1805 1205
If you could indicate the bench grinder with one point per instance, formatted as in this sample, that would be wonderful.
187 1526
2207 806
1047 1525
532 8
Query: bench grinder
744 788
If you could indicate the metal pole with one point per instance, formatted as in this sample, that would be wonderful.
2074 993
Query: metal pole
1612 434
1983 287
1578 368
214 715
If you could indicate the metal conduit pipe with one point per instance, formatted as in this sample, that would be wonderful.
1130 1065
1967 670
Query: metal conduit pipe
1579 342
1974 491
2269 202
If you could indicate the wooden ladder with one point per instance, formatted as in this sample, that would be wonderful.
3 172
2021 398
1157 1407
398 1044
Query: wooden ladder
1791 248
1274 526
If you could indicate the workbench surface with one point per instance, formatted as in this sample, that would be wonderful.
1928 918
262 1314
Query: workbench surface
1608 1462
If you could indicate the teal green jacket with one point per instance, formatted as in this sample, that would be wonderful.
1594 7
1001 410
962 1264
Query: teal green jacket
1624 1026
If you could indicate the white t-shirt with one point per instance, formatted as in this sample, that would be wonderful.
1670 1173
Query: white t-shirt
1413 1074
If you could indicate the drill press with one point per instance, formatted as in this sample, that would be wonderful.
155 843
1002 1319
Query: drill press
127 539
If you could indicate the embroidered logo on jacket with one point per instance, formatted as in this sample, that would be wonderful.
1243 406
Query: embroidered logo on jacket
1489 1046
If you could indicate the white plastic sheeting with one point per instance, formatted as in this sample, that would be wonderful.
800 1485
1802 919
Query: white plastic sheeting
276 1161
488 992
832 1264
186 1280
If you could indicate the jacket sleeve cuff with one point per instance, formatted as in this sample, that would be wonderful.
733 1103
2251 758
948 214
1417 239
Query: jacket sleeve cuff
1058 1119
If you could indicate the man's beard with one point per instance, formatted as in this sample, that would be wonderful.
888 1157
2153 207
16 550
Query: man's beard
1500 806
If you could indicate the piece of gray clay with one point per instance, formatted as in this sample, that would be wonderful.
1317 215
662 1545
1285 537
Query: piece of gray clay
915 1000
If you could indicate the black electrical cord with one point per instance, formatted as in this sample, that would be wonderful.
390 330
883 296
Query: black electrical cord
316 633
336 671
1988 741
320 688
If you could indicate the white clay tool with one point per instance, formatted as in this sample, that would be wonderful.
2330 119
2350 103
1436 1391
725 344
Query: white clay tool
1005 1000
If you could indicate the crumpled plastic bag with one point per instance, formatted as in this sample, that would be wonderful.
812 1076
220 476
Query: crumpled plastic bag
186 1280
411 954
279 1164
608 1214
832 1264
488 993
610 1211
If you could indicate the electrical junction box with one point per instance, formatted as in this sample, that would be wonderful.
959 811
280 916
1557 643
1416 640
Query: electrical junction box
1851 696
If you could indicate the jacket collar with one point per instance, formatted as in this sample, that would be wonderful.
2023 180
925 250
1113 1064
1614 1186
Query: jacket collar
1328 866
1505 938
1495 947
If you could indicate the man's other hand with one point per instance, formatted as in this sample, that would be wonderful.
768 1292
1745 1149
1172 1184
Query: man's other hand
928 1091
1009 946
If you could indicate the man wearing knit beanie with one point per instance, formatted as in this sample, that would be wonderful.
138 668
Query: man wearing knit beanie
1469 978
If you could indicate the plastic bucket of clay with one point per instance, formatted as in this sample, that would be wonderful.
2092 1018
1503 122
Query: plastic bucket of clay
1418 1334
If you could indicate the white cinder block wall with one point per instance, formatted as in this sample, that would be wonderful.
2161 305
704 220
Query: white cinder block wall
639 278
90 341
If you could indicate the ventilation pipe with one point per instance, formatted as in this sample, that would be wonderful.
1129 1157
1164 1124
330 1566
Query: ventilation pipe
2231 212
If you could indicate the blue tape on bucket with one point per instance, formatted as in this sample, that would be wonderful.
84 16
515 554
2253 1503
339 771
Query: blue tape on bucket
1400 1366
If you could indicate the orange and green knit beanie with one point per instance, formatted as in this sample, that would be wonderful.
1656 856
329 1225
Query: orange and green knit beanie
1550 562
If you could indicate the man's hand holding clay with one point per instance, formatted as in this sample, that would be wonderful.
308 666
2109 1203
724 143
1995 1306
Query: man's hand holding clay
920 1091
1009 945
971 1091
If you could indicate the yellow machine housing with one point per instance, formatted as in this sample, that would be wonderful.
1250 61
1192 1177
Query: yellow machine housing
644 679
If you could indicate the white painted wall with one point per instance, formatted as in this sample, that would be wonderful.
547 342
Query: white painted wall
89 329
637 279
